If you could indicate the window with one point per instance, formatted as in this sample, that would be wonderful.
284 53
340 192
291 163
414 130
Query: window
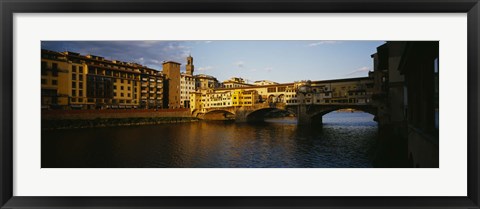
54 82
121 94
44 68
121 87
74 68
44 65
80 93
74 84
54 69
80 69
80 85
74 76
74 93
80 77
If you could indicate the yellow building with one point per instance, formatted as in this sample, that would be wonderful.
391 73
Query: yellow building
56 80
171 71
73 81
241 97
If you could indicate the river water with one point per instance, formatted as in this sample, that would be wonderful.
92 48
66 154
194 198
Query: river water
345 140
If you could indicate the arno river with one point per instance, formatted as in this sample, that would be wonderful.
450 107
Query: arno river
345 140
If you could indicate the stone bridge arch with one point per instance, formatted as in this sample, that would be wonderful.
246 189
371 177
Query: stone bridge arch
316 114
218 114
196 112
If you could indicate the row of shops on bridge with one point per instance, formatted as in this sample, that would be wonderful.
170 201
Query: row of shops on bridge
340 91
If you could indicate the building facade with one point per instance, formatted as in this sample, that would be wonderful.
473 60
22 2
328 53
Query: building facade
203 82
234 82
73 81
264 82
341 91
406 92
171 70
187 86
187 83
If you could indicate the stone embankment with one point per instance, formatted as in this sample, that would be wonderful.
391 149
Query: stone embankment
68 119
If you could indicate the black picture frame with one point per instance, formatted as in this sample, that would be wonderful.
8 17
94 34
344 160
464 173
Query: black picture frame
10 7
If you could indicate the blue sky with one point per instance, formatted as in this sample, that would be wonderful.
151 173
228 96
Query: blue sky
280 61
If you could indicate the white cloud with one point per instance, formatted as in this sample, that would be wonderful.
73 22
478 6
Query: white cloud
207 68
174 46
359 70
322 43
140 60
156 61
239 64
268 69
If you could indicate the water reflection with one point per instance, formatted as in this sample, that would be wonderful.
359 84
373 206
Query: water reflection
344 141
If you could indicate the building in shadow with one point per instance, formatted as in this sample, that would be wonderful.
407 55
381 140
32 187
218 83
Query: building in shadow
406 94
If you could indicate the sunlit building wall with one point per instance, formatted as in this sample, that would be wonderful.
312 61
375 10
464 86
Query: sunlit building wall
73 81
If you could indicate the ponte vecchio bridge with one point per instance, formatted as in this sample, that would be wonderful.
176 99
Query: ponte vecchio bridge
307 100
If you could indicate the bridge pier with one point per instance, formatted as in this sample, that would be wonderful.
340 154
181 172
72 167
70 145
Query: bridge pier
303 118
317 120
241 116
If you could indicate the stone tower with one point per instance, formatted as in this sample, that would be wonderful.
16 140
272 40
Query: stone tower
190 66
172 77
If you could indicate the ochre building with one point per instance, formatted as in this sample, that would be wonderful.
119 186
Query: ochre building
73 81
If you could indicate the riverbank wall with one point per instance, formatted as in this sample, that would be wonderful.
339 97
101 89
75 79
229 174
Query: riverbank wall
68 119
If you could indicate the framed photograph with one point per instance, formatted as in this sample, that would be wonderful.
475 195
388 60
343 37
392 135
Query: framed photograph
265 104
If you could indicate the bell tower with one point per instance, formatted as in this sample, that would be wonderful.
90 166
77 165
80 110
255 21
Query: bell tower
189 66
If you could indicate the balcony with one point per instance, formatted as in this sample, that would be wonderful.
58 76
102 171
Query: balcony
151 92
144 91
144 79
